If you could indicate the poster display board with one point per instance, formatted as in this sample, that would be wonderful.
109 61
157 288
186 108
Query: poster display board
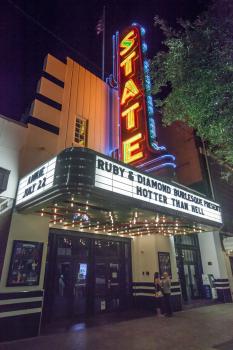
164 263
25 264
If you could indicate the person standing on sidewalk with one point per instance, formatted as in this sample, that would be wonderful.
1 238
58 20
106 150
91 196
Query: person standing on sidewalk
166 289
158 294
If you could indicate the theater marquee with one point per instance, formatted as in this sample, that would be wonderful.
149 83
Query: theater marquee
87 175
117 178
36 182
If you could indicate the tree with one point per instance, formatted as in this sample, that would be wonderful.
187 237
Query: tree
197 66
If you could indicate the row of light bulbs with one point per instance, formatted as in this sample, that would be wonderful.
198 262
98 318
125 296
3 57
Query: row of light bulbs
129 227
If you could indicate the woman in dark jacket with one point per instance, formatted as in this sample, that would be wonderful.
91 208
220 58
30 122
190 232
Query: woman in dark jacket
158 294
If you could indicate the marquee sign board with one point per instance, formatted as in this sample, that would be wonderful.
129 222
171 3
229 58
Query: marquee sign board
117 178
94 176
36 182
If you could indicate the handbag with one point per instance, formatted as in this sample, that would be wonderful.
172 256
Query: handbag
158 294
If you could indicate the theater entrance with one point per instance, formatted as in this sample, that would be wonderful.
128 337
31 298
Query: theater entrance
189 267
86 274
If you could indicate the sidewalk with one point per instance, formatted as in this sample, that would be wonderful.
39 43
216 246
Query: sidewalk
196 329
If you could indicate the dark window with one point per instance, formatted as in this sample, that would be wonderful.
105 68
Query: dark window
69 246
189 240
107 248
4 176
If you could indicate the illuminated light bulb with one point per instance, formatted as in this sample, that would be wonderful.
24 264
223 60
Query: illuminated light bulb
87 208
54 222
54 216
72 198
73 225
60 220
72 204
55 204
41 214
136 214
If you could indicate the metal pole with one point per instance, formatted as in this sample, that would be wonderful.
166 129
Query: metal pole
208 169
103 44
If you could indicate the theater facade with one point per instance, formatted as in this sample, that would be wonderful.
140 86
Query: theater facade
99 208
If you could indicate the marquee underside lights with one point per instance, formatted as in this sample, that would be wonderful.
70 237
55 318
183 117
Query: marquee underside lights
137 120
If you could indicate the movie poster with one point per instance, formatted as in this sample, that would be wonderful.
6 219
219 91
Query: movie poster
164 263
25 264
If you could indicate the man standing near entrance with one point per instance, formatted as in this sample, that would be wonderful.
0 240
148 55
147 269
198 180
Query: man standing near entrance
166 288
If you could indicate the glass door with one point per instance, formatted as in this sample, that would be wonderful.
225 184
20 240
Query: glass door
189 275
62 302
70 297
85 275
107 286
189 266
191 285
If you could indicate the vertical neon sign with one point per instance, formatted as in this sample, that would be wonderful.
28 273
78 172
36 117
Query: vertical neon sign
138 135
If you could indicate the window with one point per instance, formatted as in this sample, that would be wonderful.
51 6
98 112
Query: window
4 175
81 132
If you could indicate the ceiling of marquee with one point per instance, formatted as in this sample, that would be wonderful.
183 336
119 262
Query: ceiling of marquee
123 221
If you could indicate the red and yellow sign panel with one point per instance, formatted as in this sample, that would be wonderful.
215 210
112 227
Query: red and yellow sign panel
132 98
138 140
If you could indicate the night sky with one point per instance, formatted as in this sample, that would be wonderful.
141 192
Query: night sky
24 43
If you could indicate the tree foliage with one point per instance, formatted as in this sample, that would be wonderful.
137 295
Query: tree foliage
198 66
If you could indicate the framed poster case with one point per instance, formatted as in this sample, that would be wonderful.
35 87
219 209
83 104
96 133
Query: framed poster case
164 263
25 264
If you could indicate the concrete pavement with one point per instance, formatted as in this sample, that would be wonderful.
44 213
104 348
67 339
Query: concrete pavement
197 329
